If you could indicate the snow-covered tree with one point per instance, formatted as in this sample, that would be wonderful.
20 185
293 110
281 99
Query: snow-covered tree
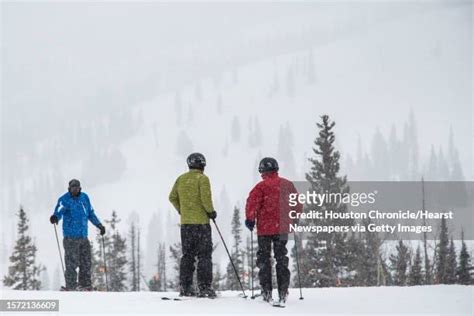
415 276
23 272
116 257
464 277
232 283
400 263
326 254
451 267
442 249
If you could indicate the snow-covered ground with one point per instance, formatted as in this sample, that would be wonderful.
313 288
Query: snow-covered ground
426 300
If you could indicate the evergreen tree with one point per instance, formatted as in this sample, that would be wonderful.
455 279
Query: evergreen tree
133 259
139 272
116 258
380 157
326 254
23 272
451 266
236 254
175 254
416 275
366 258
399 264
464 277
442 254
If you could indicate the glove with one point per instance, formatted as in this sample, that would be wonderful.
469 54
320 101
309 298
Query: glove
212 215
53 219
102 229
250 224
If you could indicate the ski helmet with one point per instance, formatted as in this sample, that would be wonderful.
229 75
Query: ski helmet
196 161
268 164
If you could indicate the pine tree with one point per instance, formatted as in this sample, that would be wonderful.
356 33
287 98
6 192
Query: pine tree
116 258
132 262
442 254
23 272
365 255
175 254
139 273
451 264
236 254
464 277
416 275
399 264
326 254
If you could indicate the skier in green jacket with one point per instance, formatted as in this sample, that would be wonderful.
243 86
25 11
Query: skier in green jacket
192 198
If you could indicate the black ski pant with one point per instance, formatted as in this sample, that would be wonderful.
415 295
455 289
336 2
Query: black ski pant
77 254
265 265
196 241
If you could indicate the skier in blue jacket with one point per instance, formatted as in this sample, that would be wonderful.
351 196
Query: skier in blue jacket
76 210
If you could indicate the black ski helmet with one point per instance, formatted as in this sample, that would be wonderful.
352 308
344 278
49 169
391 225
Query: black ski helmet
196 161
268 164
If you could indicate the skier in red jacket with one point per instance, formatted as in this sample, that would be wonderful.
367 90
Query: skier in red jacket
267 205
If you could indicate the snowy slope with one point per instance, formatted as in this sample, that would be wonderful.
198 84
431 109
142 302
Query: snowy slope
366 74
426 300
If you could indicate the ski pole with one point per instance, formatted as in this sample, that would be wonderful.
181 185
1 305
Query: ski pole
105 265
298 266
231 261
60 254
251 258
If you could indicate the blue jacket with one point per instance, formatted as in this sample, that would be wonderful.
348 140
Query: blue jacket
76 212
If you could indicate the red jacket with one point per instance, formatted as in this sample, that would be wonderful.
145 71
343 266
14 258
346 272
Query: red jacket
268 204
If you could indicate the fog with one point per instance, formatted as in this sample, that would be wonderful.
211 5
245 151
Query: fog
117 94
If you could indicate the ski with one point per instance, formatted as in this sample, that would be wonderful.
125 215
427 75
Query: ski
185 298
166 298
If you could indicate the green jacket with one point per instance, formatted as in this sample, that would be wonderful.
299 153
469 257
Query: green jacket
191 197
